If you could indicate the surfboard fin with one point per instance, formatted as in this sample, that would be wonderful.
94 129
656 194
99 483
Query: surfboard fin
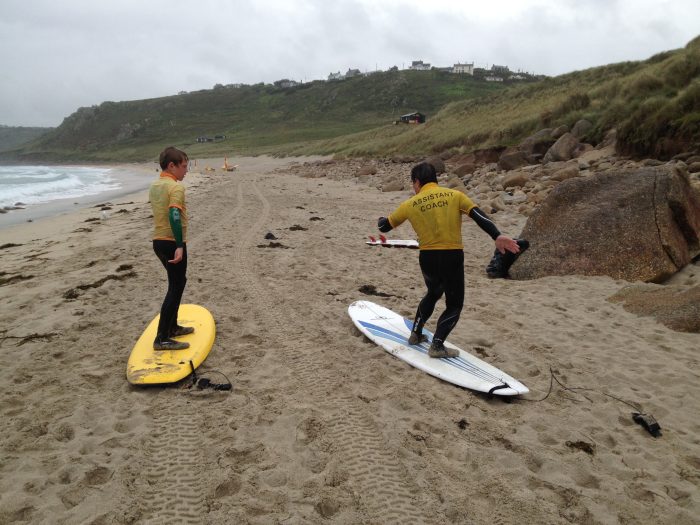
382 238
648 422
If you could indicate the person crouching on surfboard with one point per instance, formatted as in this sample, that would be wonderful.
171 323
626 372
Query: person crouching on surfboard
435 213
167 198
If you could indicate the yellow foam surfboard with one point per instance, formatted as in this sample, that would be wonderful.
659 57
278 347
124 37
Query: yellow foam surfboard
147 366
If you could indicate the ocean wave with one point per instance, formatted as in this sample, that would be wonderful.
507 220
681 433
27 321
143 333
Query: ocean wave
40 184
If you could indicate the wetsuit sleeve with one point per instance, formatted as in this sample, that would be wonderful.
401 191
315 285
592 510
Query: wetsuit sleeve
176 225
384 225
484 222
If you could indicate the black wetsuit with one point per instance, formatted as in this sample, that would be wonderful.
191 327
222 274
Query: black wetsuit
435 213
443 272
177 278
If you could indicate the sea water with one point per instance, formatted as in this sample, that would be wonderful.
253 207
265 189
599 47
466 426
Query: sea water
27 185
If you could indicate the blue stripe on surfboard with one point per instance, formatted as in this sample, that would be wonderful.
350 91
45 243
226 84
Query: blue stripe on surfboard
385 333
466 365
380 330
457 362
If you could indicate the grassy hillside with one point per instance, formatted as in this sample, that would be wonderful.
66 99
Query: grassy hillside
13 137
654 104
255 119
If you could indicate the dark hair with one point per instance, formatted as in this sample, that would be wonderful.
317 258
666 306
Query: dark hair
423 173
174 155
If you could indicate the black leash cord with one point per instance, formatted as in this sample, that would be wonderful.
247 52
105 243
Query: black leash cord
220 373
553 378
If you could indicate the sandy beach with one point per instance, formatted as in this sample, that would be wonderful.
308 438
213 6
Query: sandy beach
323 426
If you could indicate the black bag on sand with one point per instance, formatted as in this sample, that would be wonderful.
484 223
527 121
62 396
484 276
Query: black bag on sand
501 263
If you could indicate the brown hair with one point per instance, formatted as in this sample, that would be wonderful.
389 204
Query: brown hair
174 155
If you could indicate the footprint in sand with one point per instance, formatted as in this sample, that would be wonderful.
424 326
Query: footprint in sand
227 488
98 476
64 432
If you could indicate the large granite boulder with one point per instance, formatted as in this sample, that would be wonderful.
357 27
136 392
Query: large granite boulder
437 163
488 155
581 129
538 143
568 171
638 225
563 149
515 179
464 169
558 132
512 160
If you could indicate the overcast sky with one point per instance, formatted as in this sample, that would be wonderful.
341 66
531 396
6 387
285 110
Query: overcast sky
57 56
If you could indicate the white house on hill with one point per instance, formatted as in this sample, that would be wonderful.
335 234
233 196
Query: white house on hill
418 65
463 68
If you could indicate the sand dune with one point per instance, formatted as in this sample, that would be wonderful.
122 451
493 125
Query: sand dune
322 426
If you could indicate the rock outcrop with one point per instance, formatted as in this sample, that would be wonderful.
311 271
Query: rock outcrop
538 143
641 224
512 160
437 163
581 129
563 149
515 179
677 309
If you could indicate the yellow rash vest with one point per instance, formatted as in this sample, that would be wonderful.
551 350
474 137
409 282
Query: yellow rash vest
166 193
436 215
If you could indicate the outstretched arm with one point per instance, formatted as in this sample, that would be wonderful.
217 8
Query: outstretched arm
503 242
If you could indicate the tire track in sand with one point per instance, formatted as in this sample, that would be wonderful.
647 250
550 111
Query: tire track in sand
172 469
172 462
377 476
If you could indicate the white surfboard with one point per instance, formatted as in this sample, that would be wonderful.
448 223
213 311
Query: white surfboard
392 243
391 331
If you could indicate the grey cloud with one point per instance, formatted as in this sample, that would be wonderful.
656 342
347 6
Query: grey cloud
58 56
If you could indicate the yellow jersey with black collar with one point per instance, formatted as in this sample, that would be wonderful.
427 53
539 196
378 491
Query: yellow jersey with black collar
435 213
166 193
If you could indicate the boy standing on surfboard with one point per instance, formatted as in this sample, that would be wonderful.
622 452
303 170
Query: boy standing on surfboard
167 198
435 213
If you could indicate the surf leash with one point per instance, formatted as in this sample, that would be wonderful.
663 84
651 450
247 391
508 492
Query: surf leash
204 382
647 421
499 387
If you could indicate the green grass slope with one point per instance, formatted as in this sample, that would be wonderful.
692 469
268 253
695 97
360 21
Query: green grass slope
654 105
13 137
255 119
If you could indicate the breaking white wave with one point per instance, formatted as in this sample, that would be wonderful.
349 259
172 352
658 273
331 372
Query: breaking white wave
39 184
